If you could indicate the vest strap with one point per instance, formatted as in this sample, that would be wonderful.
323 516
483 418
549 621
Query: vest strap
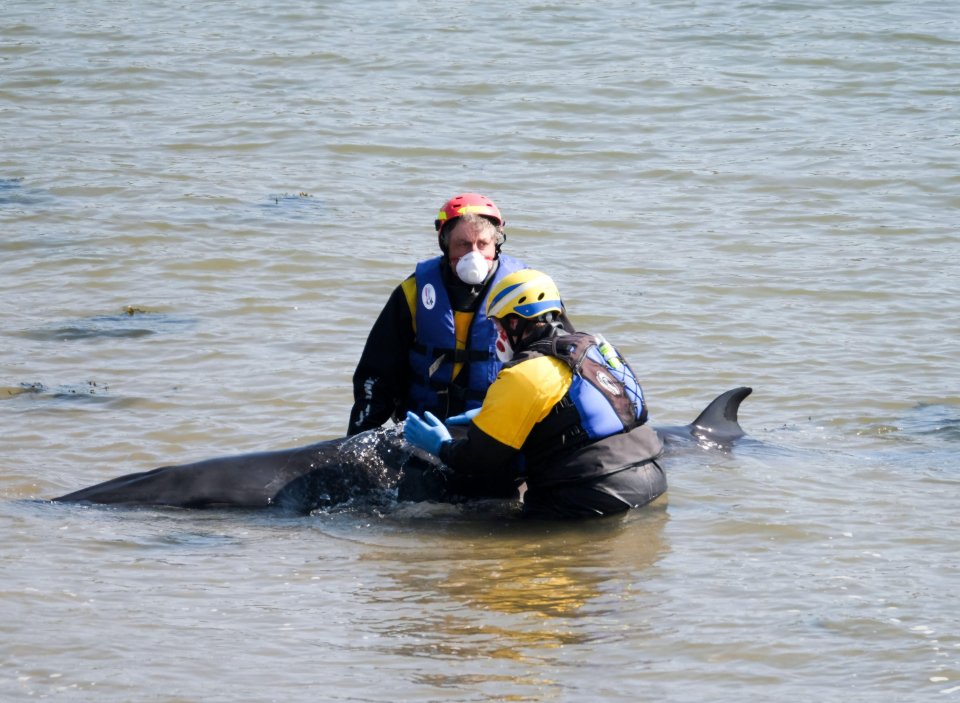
456 392
441 355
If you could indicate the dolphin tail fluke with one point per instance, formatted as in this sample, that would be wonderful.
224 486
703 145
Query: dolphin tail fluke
718 422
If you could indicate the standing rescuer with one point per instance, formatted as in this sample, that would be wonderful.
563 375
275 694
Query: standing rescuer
433 348
577 419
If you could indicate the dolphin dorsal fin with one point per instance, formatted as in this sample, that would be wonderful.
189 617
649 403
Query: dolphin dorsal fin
718 422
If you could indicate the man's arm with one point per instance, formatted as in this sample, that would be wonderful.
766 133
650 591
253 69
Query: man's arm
382 377
482 466
521 397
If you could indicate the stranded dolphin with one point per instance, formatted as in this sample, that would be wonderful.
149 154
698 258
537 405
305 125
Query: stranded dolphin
321 475
717 425
301 479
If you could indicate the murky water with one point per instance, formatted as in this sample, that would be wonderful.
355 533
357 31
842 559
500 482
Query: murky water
204 206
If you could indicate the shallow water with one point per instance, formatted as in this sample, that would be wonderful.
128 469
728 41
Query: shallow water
203 207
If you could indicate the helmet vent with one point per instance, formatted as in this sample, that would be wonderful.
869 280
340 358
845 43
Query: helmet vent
540 297
521 300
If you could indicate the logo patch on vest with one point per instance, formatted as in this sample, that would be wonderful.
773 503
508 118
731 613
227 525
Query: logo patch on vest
608 383
429 296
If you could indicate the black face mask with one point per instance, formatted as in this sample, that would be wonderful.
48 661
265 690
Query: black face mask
515 327
522 332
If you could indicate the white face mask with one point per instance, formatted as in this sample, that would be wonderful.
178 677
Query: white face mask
473 268
504 349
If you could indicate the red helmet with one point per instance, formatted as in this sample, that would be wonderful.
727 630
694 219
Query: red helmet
466 203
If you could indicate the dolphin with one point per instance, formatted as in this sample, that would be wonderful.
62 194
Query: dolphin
370 465
718 424
301 479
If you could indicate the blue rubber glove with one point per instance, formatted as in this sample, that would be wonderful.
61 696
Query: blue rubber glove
464 418
427 434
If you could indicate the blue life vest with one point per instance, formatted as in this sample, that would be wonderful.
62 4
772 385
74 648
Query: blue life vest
435 352
596 390
604 399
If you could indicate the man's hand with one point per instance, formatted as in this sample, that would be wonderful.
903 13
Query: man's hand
427 433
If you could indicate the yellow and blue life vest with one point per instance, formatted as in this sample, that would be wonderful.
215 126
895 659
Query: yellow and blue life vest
438 357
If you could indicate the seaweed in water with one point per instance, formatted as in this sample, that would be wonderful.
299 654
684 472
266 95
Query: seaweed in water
12 192
294 206
289 196
939 420
84 390
112 326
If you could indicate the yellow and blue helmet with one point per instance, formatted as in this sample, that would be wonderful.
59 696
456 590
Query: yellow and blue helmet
526 293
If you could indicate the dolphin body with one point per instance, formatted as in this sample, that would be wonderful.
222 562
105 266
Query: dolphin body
370 465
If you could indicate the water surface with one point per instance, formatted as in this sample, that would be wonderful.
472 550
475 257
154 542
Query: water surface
203 207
